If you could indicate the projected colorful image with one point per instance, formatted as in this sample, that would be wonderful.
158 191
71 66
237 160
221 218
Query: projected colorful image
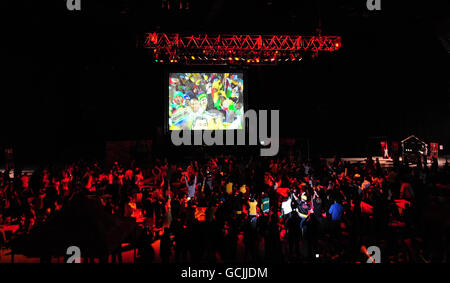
206 101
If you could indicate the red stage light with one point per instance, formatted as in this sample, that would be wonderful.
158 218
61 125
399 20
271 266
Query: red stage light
241 46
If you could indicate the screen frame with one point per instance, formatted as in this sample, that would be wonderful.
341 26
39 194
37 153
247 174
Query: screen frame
201 69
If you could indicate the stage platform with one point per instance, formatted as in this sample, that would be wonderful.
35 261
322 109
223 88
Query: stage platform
385 163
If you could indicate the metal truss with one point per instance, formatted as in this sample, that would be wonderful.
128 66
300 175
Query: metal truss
236 48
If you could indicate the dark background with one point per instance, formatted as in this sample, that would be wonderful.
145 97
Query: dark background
75 79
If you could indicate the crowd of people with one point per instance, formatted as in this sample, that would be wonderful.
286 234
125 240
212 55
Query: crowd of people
252 209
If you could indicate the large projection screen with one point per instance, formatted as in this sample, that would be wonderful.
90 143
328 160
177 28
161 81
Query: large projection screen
206 101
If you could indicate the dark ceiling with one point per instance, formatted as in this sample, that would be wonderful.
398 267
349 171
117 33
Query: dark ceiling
78 78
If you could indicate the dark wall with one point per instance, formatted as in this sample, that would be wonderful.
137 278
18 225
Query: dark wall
74 80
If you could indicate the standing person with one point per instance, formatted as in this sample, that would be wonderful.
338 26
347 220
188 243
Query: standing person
265 203
146 252
336 211
252 213
237 206
229 187
319 211
165 246
303 210
191 186
209 179
406 191
159 207
434 164
253 204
